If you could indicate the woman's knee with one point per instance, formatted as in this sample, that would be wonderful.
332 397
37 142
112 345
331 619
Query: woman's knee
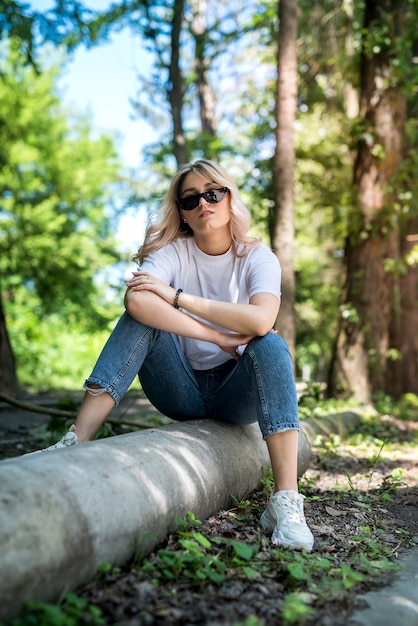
132 302
272 342
269 353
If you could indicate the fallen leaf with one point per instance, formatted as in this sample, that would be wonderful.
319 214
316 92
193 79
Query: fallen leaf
335 512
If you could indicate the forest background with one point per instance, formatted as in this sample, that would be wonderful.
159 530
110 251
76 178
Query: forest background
311 106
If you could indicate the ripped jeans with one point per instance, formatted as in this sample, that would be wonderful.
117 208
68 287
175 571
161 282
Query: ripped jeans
260 387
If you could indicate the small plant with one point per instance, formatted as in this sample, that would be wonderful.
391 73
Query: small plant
267 481
393 481
251 620
197 559
408 407
191 562
307 481
244 510
296 607
371 543
71 611
200 560
187 523
311 395
348 575
107 571
375 462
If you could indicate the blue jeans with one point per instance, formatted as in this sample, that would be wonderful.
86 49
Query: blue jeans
260 387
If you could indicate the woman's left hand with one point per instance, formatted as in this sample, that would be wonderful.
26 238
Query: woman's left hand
144 281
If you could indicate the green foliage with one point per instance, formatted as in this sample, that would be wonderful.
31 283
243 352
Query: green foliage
251 620
55 191
107 571
405 408
244 510
321 209
57 217
31 28
296 607
71 611
200 560
54 350
236 39
308 578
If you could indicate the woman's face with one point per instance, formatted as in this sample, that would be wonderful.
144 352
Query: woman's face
206 218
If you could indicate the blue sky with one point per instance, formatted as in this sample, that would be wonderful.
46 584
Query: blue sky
102 80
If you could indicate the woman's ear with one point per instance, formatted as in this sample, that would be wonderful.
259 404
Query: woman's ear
184 226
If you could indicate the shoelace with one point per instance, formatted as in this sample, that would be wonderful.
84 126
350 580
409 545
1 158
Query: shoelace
293 510
67 439
63 442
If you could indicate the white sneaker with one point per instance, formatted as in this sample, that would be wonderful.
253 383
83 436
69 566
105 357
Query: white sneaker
69 439
284 517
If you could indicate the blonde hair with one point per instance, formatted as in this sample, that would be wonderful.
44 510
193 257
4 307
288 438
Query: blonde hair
171 226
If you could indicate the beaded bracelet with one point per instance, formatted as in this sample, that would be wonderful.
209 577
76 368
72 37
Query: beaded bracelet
176 298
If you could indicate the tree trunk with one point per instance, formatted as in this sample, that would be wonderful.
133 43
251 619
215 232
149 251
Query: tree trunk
175 86
402 374
8 378
351 104
204 89
366 327
409 315
282 229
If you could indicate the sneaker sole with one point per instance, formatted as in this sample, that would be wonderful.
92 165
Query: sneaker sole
291 544
266 524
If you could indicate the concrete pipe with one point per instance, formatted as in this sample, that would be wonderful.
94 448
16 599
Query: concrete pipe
64 513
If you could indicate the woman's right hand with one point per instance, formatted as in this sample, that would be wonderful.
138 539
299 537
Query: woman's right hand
230 342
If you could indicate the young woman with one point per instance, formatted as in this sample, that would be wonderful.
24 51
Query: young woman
198 332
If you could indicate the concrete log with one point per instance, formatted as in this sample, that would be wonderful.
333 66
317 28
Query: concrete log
64 513
341 424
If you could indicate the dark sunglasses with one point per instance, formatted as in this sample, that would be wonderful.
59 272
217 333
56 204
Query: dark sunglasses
213 197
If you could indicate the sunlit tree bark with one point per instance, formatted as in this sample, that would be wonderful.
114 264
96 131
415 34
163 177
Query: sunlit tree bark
407 366
175 86
282 227
351 103
364 339
202 61
8 379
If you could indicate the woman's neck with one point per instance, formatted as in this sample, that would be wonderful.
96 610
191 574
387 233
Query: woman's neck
214 246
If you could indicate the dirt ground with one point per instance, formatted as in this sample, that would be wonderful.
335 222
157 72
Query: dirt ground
361 504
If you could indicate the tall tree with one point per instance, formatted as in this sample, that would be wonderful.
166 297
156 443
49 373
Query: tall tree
162 28
55 202
8 378
351 98
28 29
175 89
202 61
362 348
282 227
406 374
67 21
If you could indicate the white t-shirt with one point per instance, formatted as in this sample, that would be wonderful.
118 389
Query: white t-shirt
225 277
